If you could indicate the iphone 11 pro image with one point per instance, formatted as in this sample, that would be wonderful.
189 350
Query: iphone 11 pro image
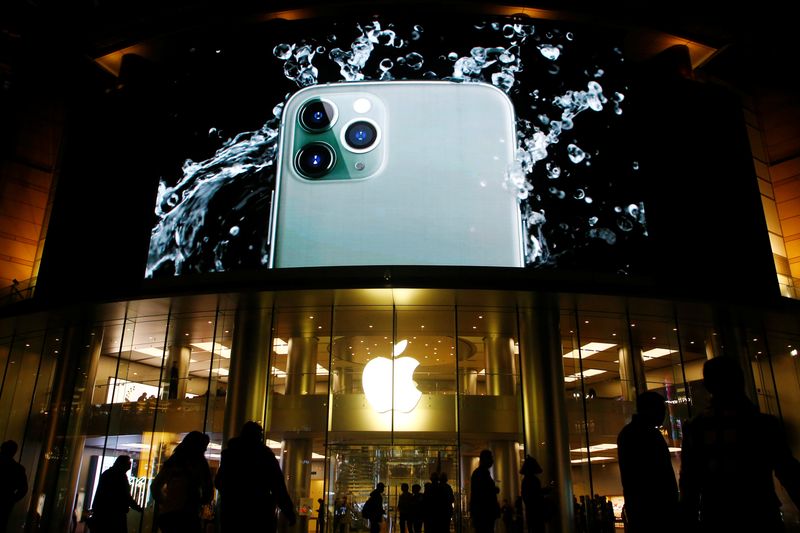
396 173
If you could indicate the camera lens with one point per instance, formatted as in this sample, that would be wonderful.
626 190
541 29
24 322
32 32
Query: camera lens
318 115
361 135
315 160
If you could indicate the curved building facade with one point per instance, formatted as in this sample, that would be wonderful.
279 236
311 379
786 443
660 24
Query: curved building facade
392 238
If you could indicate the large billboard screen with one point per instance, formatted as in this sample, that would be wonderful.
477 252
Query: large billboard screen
495 141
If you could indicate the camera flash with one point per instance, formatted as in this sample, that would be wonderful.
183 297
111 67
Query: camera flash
362 105
360 165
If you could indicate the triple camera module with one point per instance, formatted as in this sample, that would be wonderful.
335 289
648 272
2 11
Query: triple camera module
319 116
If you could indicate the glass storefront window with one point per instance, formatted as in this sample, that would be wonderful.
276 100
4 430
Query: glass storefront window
145 381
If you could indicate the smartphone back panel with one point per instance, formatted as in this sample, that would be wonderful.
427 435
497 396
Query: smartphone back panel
429 190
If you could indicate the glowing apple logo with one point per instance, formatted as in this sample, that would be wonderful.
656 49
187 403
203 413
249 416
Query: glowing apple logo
377 382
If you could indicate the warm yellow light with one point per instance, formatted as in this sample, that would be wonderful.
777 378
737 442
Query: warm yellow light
382 376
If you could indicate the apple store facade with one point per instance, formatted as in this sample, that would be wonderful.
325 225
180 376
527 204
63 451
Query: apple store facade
508 271
356 387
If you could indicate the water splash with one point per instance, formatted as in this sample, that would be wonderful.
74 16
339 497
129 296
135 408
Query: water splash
180 242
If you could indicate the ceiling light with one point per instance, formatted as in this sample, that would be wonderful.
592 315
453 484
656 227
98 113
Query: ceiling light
589 372
656 352
593 459
153 352
280 346
218 348
596 448
588 350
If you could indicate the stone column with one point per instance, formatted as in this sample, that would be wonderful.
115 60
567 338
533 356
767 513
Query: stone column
631 372
468 381
342 375
296 458
544 407
500 382
176 370
249 368
301 367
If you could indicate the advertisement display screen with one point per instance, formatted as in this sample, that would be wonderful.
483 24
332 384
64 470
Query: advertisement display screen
498 141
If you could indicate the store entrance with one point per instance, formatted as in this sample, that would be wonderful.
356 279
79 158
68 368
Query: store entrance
355 470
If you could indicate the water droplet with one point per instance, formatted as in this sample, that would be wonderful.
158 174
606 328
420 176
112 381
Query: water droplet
579 194
588 200
624 223
320 49
331 38
635 165
506 57
576 155
307 77
549 51
282 51
570 36
592 221
430 75
508 31
495 25
452 56
418 28
480 25
386 64
503 80
603 234
291 70
483 183
478 54
414 61
234 231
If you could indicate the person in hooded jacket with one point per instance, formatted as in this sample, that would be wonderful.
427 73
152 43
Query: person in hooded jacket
183 486
251 485
729 455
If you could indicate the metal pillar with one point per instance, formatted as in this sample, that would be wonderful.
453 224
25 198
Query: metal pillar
249 368
500 382
544 407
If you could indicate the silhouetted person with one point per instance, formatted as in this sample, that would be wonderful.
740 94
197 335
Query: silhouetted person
417 508
172 392
321 516
483 506
341 515
428 505
405 504
113 499
183 486
730 452
645 467
13 481
373 508
251 484
447 500
533 495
